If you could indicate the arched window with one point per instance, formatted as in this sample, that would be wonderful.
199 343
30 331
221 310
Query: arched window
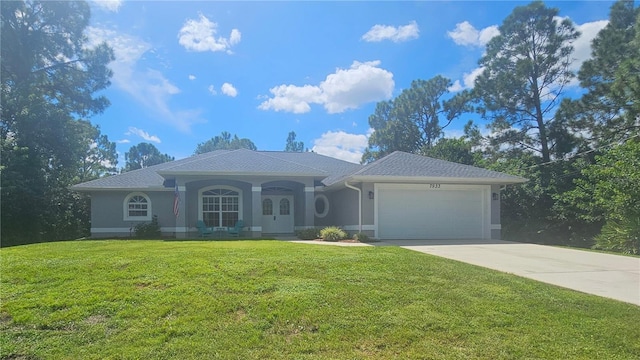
220 206
137 207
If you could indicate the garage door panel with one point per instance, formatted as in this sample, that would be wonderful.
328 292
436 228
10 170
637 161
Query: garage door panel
430 214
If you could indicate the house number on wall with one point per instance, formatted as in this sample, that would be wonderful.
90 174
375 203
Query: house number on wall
434 186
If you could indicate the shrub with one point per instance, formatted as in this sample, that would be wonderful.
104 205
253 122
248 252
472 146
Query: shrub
148 230
333 233
362 237
620 235
308 234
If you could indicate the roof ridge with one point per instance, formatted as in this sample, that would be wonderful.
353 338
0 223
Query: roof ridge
291 162
198 157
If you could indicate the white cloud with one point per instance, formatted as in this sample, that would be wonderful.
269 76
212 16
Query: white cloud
582 45
456 86
200 35
212 90
123 141
192 77
229 90
466 34
148 87
345 89
468 80
291 98
235 37
396 34
143 134
342 145
109 5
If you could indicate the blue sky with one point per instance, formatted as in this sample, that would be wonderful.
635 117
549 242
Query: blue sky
186 71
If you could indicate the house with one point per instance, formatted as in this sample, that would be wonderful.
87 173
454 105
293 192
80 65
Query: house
401 196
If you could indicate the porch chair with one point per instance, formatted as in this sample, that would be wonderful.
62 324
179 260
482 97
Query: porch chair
237 229
203 230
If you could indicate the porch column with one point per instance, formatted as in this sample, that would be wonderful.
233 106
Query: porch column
309 206
182 230
256 211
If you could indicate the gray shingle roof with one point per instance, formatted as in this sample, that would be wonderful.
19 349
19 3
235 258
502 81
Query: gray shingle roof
404 165
331 171
243 161
334 168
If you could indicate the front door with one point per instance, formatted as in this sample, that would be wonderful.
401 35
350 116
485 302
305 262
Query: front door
277 214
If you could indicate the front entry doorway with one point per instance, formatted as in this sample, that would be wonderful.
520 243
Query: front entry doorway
277 214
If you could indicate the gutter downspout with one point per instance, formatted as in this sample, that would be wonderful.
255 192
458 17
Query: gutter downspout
359 204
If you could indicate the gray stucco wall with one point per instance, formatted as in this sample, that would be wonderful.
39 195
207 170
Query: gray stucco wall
343 208
368 205
107 211
107 207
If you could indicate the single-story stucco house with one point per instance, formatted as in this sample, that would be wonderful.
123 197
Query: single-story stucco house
401 196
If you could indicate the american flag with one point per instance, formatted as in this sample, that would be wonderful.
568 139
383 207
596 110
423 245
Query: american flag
176 201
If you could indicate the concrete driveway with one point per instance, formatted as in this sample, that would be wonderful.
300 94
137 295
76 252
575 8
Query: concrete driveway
612 276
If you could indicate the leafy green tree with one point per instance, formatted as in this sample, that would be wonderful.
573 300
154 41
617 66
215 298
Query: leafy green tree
49 77
101 158
144 155
224 141
526 68
609 111
609 191
292 144
459 150
390 133
414 120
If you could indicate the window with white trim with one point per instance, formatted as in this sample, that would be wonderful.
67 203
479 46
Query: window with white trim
137 207
220 206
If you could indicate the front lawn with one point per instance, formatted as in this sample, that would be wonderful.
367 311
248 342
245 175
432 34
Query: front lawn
276 300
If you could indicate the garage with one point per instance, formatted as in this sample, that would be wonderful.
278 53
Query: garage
432 211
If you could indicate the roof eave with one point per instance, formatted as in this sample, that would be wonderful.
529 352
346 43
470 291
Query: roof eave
119 188
236 173
435 179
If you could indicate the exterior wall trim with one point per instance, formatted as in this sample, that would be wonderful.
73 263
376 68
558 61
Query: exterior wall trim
127 230
109 230
355 227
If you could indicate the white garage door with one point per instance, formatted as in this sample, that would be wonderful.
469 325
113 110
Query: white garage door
422 212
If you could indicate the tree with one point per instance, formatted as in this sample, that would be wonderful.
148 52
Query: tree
609 111
292 144
49 77
414 120
101 158
144 155
224 141
609 191
526 68
459 150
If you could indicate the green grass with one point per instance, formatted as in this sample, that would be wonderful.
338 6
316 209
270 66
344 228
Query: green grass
276 300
